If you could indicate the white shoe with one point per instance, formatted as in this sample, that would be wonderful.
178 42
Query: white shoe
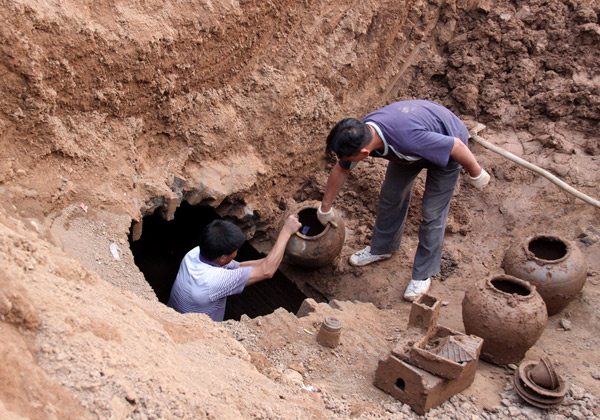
364 257
416 288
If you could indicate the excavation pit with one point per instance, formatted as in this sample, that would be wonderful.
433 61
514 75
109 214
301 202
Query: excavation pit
163 244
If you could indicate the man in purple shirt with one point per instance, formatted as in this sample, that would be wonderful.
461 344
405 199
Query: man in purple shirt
209 273
411 135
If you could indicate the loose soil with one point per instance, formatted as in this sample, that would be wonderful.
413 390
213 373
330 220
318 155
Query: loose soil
113 110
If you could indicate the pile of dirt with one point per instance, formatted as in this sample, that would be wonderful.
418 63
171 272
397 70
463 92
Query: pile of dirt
113 111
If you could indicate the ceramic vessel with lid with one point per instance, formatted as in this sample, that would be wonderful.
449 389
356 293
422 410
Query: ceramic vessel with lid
329 332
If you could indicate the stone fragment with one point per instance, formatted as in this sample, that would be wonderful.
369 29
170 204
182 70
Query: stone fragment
514 411
291 377
524 14
566 324
485 5
308 306
576 392
577 415
298 367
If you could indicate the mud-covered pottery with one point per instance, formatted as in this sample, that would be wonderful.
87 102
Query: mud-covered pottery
508 314
555 266
330 332
314 245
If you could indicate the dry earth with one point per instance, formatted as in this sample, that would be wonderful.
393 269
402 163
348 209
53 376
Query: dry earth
112 111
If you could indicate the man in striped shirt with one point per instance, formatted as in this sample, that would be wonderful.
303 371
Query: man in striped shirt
209 273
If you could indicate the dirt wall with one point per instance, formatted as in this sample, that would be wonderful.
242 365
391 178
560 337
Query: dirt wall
158 96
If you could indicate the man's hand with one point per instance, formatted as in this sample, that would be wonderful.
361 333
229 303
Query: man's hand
291 225
266 267
326 217
480 180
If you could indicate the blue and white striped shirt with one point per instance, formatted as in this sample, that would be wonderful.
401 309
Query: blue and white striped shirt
202 286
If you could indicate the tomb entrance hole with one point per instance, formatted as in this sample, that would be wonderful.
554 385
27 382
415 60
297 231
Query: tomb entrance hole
163 244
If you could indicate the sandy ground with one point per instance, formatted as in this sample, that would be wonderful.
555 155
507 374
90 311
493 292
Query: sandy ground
112 112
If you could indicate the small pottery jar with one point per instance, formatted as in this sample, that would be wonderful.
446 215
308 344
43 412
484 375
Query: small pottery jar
555 266
329 332
508 314
314 245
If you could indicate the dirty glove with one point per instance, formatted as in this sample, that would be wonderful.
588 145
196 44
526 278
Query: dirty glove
480 180
326 217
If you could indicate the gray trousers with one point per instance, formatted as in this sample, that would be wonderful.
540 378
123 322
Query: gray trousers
394 201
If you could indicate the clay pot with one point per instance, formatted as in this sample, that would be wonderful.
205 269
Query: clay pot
508 314
555 266
314 245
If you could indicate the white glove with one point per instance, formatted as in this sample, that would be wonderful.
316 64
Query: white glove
480 180
326 217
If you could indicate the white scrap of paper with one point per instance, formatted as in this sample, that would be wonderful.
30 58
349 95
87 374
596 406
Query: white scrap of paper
114 249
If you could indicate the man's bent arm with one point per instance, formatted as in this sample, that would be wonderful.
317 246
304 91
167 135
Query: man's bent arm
251 263
461 153
268 265
336 180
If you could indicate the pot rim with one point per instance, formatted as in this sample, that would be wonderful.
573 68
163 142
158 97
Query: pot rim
531 255
525 284
314 206
314 238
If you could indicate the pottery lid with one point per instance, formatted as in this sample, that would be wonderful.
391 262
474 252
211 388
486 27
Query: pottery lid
332 324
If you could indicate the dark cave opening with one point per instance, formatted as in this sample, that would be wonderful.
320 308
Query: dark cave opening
163 244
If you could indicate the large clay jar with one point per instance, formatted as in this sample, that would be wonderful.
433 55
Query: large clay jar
553 265
508 314
314 245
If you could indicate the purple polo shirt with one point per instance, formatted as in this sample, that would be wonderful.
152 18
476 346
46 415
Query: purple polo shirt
416 129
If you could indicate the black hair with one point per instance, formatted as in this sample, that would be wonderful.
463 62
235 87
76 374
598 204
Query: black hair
348 137
220 237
